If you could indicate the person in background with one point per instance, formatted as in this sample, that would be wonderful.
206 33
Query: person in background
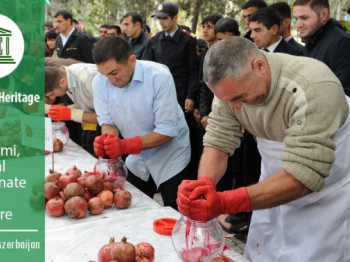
201 46
81 25
297 109
114 30
137 100
76 82
50 42
102 31
247 10
286 16
177 49
133 27
48 26
72 43
324 41
147 29
265 26
226 27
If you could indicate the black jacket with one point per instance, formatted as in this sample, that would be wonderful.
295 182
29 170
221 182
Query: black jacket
78 46
331 45
284 47
179 53
139 44
296 45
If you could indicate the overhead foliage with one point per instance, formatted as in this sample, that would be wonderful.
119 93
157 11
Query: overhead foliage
97 12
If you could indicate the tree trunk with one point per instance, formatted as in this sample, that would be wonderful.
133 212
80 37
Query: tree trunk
197 7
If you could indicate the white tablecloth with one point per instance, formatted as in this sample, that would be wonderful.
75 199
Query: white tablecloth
79 240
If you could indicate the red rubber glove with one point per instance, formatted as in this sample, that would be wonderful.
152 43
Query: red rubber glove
204 203
99 145
115 147
60 113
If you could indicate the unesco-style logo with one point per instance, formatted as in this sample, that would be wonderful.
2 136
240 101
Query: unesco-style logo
11 46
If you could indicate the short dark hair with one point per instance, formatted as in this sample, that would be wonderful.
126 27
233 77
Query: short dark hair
49 24
116 27
283 9
266 16
147 28
104 26
112 47
254 3
213 18
315 5
135 17
52 78
65 13
51 34
227 24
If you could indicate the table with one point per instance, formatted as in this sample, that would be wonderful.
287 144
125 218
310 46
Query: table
70 240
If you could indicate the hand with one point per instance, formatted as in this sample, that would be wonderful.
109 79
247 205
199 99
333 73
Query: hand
204 121
204 203
59 113
189 105
196 115
115 147
99 146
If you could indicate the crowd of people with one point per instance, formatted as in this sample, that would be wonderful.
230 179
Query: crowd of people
246 124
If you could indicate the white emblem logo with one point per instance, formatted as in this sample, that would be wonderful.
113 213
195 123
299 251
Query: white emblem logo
11 46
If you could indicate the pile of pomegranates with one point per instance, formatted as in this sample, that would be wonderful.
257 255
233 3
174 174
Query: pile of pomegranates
124 251
75 193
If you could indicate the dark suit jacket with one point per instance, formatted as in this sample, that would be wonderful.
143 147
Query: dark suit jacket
295 44
284 47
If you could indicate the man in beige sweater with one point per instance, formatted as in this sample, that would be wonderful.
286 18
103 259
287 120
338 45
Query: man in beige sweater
297 109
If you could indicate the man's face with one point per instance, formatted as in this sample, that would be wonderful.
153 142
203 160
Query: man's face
59 91
246 13
81 26
262 36
208 32
168 24
307 20
62 25
129 28
118 74
103 32
112 31
251 89
223 35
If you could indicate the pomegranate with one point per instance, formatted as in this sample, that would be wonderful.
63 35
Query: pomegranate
67 178
74 171
61 195
53 177
144 250
73 189
122 198
94 184
221 258
76 207
106 197
82 179
51 190
108 186
87 195
57 145
55 207
120 251
95 206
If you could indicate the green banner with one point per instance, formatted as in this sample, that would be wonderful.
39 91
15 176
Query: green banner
22 130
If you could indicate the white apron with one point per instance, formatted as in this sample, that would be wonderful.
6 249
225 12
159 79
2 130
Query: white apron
314 228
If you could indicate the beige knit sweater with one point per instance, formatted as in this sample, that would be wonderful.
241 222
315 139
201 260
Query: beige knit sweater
304 109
